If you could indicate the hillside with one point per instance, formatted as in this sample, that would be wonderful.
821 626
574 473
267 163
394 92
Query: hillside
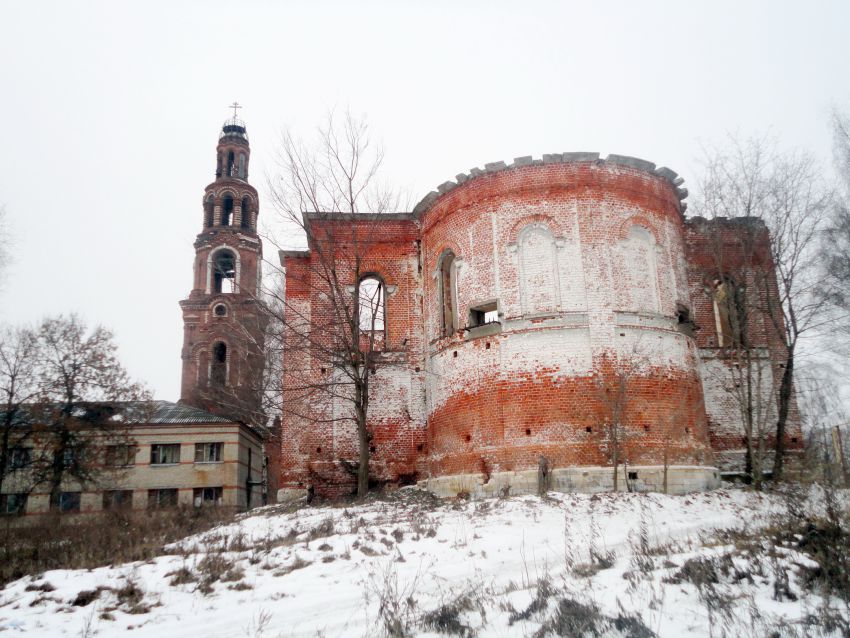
408 565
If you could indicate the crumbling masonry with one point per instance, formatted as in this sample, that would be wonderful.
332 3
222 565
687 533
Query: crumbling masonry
552 313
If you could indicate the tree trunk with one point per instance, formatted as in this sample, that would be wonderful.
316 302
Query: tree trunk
615 460
785 388
363 463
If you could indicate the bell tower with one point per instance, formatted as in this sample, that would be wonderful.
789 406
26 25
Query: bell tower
223 325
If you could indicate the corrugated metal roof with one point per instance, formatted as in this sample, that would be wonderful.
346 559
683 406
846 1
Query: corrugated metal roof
131 412
168 412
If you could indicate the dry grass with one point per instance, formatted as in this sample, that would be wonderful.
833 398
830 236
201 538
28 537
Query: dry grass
95 540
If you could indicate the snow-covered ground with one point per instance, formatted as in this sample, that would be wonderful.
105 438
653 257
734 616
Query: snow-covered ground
518 566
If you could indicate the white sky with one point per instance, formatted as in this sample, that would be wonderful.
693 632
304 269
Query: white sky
111 112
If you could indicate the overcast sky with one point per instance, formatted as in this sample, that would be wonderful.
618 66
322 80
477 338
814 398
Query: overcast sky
111 112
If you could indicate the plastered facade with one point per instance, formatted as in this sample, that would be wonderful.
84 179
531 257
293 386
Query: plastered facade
596 282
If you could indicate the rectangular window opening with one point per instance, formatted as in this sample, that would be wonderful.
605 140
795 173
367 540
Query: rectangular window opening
483 314
120 456
12 504
208 452
162 498
165 453
118 499
206 496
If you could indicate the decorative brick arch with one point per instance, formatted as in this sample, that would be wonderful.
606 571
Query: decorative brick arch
637 220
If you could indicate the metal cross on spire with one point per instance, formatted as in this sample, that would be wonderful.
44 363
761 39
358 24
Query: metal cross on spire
235 106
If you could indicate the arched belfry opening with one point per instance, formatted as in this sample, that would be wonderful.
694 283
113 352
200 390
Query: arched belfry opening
226 210
224 272
246 213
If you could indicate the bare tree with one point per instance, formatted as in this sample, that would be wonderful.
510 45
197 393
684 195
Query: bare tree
836 249
81 390
18 387
333 348
765 274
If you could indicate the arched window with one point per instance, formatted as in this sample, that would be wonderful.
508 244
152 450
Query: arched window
730 313
371 304
446 293
230 161
209 207
224 272
246 212
539 291
242 165
218 365
226 210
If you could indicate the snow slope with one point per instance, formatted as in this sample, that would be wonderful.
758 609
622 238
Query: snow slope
410 564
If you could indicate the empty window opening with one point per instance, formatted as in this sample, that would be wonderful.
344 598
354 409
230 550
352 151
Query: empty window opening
483 314
162 498
67 502
206 496
13 504
208 452
230 161
246 213
224 272
446 291
793 439
120 456
527 431
226 210
730 313
588 429
165 453
318 450
19 458
209 207
218 366
420 447
372 449
118 499
487 346
220 310
633 476
370 303
455 354
242 165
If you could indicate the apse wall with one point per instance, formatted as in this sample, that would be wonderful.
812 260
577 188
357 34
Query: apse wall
584 263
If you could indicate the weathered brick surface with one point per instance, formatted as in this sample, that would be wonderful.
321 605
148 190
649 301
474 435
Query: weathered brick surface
588 264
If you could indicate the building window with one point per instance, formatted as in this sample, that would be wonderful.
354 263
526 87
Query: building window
118 499
71 458
13 504
220 310
226 210
370 304
483 314
67 502
230 162
206 496
242 165
165 453
218 366
120 456
162 498
224 272
730 313
19 458
446 293
208 452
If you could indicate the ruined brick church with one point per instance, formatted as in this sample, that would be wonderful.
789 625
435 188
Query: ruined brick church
559 311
